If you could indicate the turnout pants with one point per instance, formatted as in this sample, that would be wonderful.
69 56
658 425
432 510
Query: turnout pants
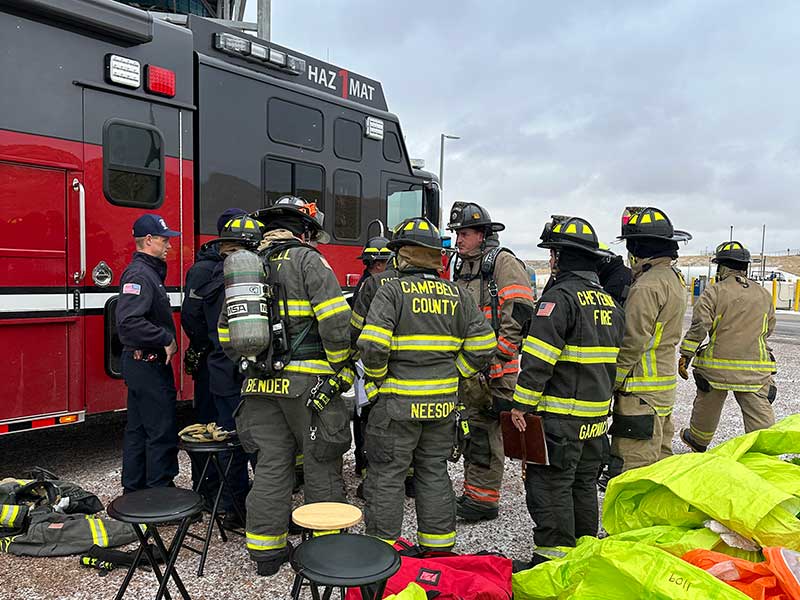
276 430
150 449
641 434
392 447
484 459
562 497
756 411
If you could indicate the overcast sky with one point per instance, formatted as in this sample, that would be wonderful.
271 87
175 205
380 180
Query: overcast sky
584 107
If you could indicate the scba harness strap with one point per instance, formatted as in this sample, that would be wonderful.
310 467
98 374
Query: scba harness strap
486 273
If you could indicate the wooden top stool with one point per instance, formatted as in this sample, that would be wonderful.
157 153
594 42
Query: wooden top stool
326 516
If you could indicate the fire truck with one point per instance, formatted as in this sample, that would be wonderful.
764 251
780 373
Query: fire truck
108 112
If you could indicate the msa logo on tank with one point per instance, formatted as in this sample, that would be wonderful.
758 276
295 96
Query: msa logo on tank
345 84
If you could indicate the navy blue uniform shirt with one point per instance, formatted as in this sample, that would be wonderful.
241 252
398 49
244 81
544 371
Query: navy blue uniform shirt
205 296
144 314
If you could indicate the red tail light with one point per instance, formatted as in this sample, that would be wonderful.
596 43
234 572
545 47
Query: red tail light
160 81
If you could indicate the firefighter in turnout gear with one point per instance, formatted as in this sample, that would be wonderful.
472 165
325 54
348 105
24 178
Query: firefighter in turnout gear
501 287
642 429
737 316
273 419
568 365
377 258
422 333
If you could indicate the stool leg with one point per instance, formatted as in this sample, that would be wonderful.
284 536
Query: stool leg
214 519
314 591
201 480
136 559
223 480
172 557
151 558
297 585
223 476
373 591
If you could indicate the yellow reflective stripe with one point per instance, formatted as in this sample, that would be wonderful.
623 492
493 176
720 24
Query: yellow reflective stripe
541 350
371 390
762 339
463 366
387 540
298 460
662 411
709 351
376 373
379 335
734 365
436 540
480 342
649 384
649 360
337 355
265 542
316 367
621 375
95 536
574 407
589 355
689 346
322 532
420 387
701 436
99 533
224 334
331 307
347 375
356 320
9 514
444 343
736 387
525 396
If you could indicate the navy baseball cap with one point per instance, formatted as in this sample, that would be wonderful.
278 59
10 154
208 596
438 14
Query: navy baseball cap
227 215
150 224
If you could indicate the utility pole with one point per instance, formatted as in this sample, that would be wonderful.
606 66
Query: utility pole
441 157
763 236
731 234
263 19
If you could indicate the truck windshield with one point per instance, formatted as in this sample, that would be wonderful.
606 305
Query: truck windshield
403 201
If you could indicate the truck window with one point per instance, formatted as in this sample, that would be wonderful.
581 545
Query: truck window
282 177
391 148
293 124
403 201
347 136
133 164
347 205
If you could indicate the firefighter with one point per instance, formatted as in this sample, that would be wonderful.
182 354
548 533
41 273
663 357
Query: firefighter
501 287
642 429
420 335
376 257
567 377
201 329
738 317
273 419
201 309
147 333
615 277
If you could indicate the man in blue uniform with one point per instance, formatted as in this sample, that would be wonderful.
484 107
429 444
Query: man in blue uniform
147 332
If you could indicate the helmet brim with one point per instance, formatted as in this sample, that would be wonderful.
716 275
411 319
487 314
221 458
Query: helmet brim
557 245
395 244
677 236
493 227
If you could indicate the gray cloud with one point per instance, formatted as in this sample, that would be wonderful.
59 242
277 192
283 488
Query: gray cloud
583 107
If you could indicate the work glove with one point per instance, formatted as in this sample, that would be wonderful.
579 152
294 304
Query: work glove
202 432
683 366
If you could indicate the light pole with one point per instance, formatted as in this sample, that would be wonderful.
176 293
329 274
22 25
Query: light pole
441 157
731 233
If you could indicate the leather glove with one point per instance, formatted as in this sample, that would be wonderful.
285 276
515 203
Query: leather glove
683 366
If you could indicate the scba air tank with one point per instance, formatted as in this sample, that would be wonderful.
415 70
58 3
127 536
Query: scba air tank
246 304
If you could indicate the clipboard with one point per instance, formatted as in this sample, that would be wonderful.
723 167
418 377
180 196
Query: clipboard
530 445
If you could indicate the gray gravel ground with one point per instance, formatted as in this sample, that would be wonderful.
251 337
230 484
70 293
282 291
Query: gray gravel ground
90 455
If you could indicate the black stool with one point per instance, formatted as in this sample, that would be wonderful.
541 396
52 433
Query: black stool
343 561
155 507
212 451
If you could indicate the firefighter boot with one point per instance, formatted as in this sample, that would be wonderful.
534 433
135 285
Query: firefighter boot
267 568
689 440
471 511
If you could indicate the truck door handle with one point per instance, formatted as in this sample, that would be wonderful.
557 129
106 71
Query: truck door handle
77 186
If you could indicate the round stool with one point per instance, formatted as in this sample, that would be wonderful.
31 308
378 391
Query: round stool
326 516
212 451
151 508
344 561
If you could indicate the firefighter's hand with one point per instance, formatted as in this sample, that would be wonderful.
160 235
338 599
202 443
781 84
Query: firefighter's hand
683 365
171 350
518 419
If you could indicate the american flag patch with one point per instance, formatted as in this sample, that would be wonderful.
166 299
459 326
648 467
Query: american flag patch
132 288
545 309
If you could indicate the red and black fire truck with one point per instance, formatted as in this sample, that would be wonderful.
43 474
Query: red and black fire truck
107 112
